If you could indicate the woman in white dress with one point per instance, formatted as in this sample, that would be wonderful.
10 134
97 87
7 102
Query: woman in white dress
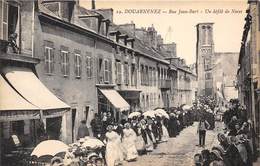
113 150
129 141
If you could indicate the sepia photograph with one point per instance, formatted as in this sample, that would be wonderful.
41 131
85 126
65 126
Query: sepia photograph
129 83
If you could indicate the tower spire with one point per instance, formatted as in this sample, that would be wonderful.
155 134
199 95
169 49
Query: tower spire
93 3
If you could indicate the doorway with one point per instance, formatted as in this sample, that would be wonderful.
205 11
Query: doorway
73 118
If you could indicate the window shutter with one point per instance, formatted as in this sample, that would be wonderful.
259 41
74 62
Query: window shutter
1 16
46 60
97 68
68 64
87 65
75 65
110 70
62 60
5 20
101 73
91 66
52 60
80 66
116 72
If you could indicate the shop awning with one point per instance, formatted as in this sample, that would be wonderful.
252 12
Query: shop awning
115 99
25 82
10 100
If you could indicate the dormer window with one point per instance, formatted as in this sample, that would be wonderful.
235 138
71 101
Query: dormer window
63 9
54 7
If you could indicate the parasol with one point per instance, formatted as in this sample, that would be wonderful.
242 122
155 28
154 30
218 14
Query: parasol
93 143
49 147
186 107
133 114
149 113
161 111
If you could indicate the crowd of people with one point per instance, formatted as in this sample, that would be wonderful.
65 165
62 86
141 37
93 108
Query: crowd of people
236 143
137 135
141 132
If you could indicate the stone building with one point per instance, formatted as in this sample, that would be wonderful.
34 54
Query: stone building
26 104
224 75
248 72
85 65
215 75
204 54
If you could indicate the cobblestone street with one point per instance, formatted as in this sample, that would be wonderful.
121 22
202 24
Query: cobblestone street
178 151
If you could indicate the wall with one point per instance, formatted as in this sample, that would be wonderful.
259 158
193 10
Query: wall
79 93
224 72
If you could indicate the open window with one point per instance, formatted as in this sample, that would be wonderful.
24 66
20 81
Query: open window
9 18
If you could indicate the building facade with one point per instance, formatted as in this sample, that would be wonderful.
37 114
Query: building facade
248 72
215 70
89 65
204 54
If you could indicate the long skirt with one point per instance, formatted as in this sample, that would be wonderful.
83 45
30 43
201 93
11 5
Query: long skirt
165 134
129 148
139 144
114 153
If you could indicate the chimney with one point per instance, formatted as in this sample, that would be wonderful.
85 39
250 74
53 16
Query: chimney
93 3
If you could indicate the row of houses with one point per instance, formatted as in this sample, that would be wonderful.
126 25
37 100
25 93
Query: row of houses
248 73
68 63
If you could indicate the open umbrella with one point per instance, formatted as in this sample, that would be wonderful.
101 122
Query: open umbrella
149 113
133 114
161 111
186 107
93 143
49 147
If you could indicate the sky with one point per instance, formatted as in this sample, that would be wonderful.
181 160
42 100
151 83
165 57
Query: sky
227 29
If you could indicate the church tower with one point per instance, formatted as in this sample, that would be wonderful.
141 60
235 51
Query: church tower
204 57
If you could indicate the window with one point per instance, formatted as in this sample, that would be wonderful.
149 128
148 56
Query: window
106 70
118 73
142 74
126 74
89 65
146 75
133 75
4 20
77 65
49 58
208 76
203 35
147 102
151 100
150 72
64 63
54 7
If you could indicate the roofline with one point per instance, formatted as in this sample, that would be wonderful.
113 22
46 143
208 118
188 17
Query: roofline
48 18
203 23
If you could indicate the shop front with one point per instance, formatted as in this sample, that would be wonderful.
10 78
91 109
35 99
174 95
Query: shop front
133 98
29 112
109 100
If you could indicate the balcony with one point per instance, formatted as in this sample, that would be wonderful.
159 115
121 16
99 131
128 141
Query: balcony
165 84
8 56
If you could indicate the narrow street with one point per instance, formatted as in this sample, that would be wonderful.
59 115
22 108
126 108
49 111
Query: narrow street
178 151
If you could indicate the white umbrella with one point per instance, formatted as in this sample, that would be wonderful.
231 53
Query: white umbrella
133 114
161 111
186 107
49 147
149 113
93 143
